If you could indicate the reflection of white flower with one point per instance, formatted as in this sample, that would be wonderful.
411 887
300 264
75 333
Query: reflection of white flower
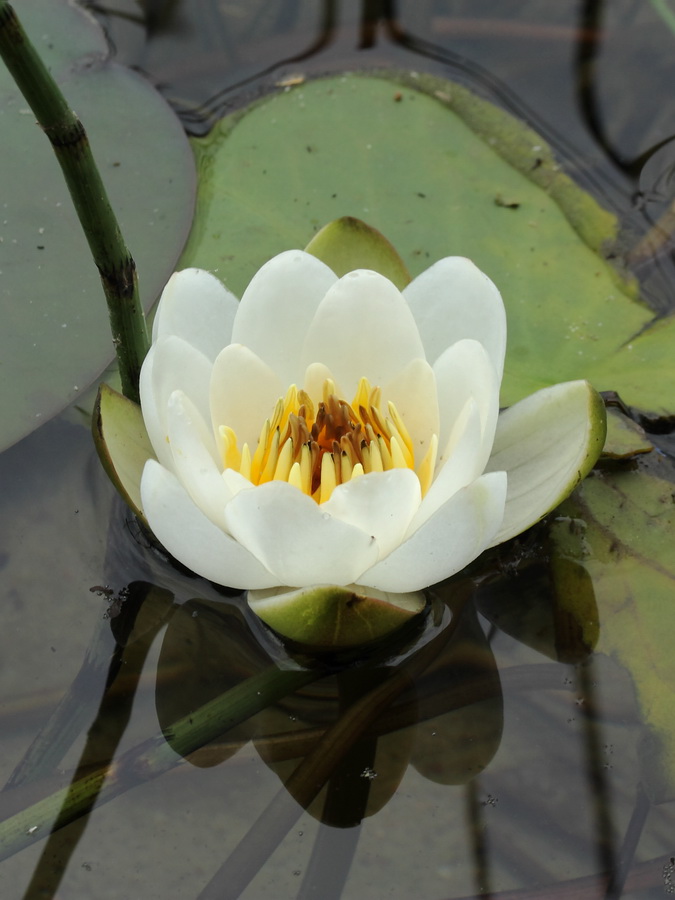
335 431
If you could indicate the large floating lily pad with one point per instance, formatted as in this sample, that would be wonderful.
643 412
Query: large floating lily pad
55 336
439 172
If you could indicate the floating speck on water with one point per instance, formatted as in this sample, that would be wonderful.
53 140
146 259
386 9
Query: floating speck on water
300 833
369 773
32 829
297 873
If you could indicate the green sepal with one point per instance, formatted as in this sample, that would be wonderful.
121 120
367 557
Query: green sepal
348 243
122 444
331 617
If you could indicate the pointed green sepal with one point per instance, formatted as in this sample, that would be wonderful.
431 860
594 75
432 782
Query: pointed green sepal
348 243
122 444
330 617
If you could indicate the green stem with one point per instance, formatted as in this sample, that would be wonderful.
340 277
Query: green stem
152 758
71 146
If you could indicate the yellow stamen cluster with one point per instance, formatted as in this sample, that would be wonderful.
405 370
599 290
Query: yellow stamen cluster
317 449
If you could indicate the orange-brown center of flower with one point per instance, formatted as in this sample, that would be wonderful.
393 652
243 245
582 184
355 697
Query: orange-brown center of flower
319 447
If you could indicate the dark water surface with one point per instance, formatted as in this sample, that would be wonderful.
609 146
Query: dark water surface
503 771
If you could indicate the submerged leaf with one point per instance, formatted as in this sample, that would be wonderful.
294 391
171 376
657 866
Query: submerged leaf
623 537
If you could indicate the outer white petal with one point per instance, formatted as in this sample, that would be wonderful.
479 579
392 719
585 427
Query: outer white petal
243 393
455 535
463 371
546 443
363 327
194 457
192 538
380 504
278 306
452 300
460 467
413 393
198 308
171 364
293 538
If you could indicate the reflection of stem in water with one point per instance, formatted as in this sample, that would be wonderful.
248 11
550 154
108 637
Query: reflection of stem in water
71 715
477 836
152 758
597 778
346 801
313 772
631 839
103 738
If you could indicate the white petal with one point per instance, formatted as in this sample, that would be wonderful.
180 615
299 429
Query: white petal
195 458
278 306
198 308
546 443
447 542
464 371
192 538
413 393
363 327
381 504
452 300
243 392
171 364
293 538
460 467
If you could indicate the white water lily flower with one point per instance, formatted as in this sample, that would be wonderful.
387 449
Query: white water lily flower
335 431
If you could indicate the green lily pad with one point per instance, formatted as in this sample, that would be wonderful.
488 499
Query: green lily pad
625 438
55 338
440 172
624 523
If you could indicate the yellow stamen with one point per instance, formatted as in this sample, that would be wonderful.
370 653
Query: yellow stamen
260 455
346 467
316 447
272 457
231 455
328 480
295 477
245 465
425 472
283 467
376 464
398 459
305 465
403 432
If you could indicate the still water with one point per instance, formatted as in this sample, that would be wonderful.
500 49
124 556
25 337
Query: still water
502 767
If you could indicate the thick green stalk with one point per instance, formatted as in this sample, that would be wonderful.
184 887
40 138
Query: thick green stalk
152 758
71 145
